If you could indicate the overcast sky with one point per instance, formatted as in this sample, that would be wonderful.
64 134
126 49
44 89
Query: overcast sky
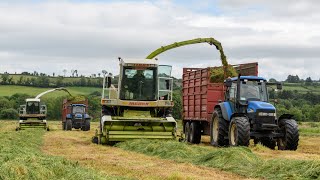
49 36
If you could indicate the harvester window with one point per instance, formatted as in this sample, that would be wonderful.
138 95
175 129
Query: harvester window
138 84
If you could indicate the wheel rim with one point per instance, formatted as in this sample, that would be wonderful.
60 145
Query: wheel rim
215 129
191 133
186 131
233 135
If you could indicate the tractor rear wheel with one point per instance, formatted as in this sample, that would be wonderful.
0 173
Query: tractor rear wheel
195 132
291 135
187 131
218 129
68 125
239 132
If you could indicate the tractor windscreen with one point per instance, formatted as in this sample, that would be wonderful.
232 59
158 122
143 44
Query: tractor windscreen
78 109
253 91
139 84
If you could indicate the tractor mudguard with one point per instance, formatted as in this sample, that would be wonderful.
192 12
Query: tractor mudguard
86 116
286 116
225 109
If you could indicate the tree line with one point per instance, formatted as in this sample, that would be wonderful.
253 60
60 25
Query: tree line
46 81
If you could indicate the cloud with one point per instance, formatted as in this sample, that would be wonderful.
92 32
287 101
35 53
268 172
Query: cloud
48 36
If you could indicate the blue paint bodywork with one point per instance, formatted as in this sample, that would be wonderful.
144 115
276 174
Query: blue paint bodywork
249 78
259 105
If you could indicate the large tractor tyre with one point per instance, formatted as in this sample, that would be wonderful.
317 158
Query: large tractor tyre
68 125
195 132
239 132
86 126
268 142
291 135
187 131
219 129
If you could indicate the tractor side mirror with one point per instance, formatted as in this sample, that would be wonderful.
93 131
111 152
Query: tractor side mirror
228 83
279 85
108 82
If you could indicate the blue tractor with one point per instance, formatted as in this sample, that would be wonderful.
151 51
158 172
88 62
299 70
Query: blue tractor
247 114
77 118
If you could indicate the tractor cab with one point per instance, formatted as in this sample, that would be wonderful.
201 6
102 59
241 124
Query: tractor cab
248 95
77 108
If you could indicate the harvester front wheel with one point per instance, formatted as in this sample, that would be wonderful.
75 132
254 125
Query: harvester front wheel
291 135
195 132
218 129
68 125
187 131
239 131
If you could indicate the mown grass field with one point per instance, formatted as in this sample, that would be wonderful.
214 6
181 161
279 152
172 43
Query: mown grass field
8 90
57 154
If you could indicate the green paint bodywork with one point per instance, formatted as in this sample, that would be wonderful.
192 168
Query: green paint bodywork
24 124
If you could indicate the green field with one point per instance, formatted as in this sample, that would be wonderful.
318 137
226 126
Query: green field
8 90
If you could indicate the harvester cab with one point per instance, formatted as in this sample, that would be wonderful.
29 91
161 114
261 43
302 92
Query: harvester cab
140 106
249 115
34 110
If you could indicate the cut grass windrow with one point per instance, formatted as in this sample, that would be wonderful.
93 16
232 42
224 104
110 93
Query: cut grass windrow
21 158
240 160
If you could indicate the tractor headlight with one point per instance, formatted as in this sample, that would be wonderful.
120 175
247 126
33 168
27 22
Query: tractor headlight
266 114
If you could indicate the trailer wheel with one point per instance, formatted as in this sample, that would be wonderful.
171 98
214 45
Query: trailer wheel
64 126
187 131
195 132
68 125
86 126
291 135
239 132
218 129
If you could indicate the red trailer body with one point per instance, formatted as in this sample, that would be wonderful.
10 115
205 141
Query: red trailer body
200 96
66 110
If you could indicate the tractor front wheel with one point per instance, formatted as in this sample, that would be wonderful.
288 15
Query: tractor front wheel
68 125
291 135
239 131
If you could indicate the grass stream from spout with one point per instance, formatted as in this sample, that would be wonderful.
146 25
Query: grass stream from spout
239 160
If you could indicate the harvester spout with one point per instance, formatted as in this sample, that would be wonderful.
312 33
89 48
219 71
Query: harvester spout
51 90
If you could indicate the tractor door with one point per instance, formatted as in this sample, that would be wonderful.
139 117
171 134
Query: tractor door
231 95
